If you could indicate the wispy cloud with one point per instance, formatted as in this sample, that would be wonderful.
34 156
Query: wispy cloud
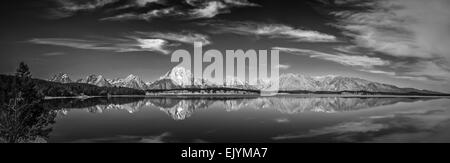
405 28
115 45
344 59
166 12
209 10
67 8
136 4
74 43
235 3
270 30
143 3
139 41
424 69
54 54
195 9
412 33
379 72
72 5
241 3
183 37
284 66
153 45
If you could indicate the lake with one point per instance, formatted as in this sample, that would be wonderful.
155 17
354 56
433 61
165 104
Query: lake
282 119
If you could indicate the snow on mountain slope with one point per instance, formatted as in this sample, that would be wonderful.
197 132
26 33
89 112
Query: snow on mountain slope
131 81
97 80
61 78
179 77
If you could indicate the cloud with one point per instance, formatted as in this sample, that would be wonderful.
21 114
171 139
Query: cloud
67 8
74 43
140 41
230 3
431 75
344 59
143 3
402 28
424 69
54 54
423 79
270 30
72 5
183 37
379 72
115 45
153 45
350 49
195 9
416 70
166 12
241 3
414 33
211 9
284 66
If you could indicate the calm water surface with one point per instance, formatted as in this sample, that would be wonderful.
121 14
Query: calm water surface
273 119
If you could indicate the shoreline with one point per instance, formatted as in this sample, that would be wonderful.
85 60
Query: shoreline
249 96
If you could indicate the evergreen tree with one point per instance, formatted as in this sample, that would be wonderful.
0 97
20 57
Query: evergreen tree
23 71
24 85
24 119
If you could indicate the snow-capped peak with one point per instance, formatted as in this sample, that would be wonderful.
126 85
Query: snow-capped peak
61 78
97 80
131 81
131 77
180 76
183 77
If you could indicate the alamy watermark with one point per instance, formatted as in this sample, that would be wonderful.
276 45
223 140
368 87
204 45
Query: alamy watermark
255 61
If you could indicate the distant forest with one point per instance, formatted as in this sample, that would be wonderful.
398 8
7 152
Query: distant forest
46 88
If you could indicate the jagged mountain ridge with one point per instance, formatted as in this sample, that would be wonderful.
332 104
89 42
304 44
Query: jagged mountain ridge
61 78
179 77
182 78
97 80
333 83
131 81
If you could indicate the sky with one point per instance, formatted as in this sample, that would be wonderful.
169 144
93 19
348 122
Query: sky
400 42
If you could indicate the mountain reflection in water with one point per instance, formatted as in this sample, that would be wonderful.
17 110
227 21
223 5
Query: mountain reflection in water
181 108
239 119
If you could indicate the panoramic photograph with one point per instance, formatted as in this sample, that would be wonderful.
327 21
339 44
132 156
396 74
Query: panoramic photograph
225 71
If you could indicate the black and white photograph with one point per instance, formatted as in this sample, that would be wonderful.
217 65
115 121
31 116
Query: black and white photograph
225 71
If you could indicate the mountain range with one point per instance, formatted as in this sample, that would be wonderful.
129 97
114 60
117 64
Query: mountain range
131 81
179 77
